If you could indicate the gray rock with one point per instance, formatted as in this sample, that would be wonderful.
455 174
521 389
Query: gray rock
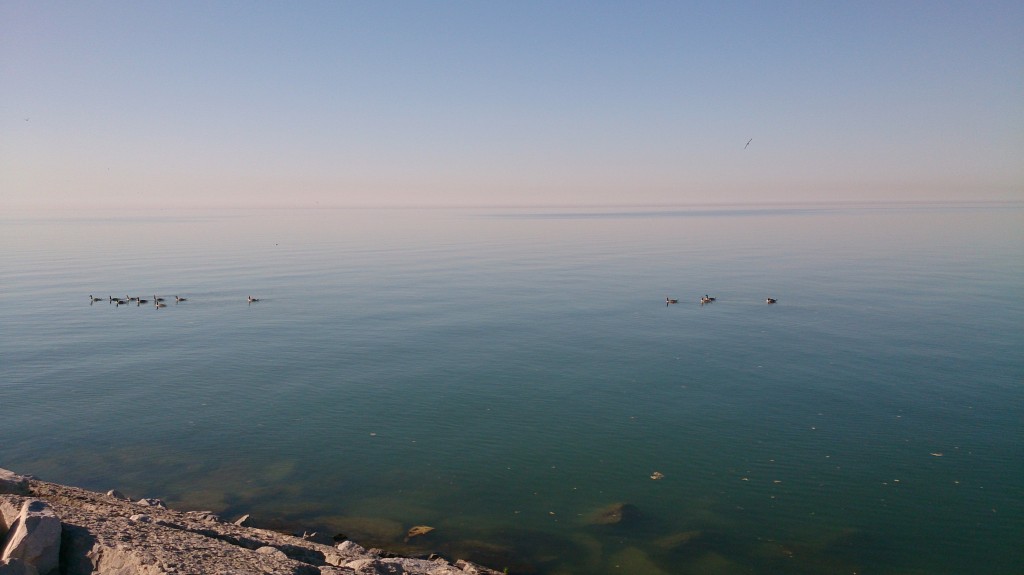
10 508
268 550
208 516
472 568
372 566
331 570
351 549
16 567
151 502
12 483
117 495
34 537
102 535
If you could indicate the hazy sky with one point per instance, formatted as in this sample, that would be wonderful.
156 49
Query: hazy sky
508 103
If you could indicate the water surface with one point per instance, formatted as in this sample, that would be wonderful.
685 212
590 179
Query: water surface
503 375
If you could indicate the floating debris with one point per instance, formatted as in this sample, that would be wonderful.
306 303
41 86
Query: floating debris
657 475
936 454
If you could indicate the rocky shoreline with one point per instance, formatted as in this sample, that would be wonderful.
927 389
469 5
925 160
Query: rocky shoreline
47 528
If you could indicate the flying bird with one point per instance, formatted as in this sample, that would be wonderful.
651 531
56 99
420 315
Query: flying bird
748 143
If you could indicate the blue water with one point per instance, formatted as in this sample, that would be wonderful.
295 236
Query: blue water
502 375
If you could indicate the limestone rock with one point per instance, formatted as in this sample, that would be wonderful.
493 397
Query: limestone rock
34 537
12 483
117 495
243 521
208 516
375 566
472 568
351 549
268 550
330 570
100 534
16 567
10 508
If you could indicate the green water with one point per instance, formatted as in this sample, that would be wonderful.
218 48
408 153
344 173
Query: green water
507 375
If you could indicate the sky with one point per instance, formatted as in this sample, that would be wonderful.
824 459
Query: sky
452 103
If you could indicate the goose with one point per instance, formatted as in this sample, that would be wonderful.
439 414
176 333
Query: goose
177 299
158 299
160 305
141 301
771 300
94 298
252 299
670 300
707 299
120 302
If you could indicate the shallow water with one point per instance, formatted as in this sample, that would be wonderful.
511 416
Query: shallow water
502 375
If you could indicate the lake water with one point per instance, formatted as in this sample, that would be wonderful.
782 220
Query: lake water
504 375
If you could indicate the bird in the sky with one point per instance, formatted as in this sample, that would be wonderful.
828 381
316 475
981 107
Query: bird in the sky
748 143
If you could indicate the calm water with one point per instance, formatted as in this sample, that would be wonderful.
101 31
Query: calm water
504 375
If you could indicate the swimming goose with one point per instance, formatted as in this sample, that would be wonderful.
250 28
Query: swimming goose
160 305
252 299
93 298
177 299
158 299
141 301
670 300
771 300
707 299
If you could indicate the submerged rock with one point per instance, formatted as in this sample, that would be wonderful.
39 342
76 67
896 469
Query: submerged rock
369 530
487 553
243 521
418 531
635 560
614 514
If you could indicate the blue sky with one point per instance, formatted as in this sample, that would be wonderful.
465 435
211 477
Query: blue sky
512 103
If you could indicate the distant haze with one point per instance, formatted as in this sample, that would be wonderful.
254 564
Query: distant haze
187 104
